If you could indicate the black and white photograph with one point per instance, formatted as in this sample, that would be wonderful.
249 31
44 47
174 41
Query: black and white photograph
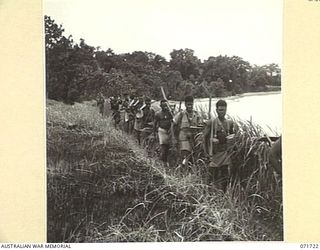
163 120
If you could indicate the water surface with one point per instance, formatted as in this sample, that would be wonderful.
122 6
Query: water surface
263 108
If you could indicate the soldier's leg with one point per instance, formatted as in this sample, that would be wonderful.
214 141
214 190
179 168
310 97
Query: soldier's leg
166 152
211 172
138 136
118 119
185 149
113 118
216 177
145 139
163 152
126 127
185 157
224 177
130 126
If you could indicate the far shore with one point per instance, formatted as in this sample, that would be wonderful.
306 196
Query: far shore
240 95
228 97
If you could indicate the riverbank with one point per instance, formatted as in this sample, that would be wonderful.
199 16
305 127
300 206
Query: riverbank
102 187
233 97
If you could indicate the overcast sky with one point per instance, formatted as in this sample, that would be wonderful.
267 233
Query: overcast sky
251 29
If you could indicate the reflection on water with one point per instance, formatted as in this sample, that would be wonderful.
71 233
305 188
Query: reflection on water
264 109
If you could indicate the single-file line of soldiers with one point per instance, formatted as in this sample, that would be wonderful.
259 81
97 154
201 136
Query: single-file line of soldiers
177 129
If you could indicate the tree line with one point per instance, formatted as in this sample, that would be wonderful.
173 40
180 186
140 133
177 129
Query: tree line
78 72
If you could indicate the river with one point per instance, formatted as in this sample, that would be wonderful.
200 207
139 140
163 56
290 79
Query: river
263 108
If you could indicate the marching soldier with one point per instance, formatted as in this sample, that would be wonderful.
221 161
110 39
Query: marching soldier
138 122
115 107
162 125
124 110
147 119
186 124
131 114
218 139
100 103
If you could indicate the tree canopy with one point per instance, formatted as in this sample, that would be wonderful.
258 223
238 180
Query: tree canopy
78 71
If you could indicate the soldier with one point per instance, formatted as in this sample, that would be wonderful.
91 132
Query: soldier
124 110
147 119
138 122
100 103
115 107
162 125
218 138
131 114
186 124
275 156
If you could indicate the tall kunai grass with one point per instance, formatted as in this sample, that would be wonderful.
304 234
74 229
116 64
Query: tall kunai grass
102 187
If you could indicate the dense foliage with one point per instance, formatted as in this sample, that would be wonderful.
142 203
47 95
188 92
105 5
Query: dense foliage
78 71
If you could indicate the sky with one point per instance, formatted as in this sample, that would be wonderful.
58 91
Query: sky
249 29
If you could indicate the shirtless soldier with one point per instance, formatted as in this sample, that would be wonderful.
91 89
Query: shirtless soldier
162 124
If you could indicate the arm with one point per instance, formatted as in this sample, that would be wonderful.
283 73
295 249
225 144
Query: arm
155 124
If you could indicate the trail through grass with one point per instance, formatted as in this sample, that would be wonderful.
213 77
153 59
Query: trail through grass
101 187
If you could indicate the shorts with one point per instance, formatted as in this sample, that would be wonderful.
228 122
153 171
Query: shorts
220 159
164 136
138 125
185 140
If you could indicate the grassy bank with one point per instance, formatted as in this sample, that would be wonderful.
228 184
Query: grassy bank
101 187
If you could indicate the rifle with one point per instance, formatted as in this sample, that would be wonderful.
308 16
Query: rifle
165 98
